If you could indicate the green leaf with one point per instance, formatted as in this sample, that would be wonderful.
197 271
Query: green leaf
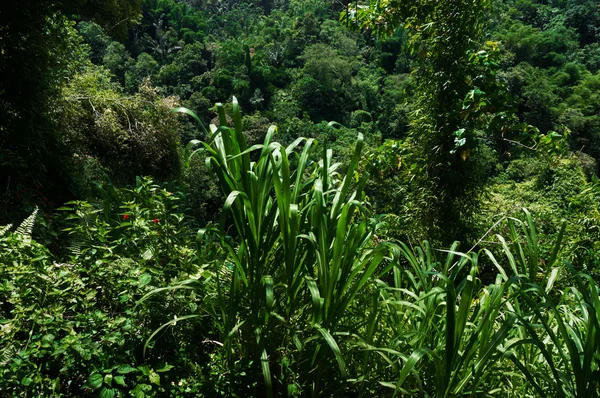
192 114
140 389
95 381
154 378
144 279
335 348
49 338
26 381
124 369
120 380
147 255
410 364
170 323
108 379
107 393
165 368
138 393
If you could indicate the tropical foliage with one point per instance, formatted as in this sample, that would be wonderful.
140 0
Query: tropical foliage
389 197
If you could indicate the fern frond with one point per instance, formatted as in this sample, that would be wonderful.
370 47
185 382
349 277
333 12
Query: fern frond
6 354
76 244
5 229
26 226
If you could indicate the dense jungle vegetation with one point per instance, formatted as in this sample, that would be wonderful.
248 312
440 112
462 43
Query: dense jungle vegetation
299 198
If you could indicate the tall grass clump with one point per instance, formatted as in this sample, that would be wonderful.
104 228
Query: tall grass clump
298 243
441 328
440 331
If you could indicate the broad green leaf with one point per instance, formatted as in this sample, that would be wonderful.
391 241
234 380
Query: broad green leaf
124 369
154 378
108 378
120 380
144 279
165 368
107 393
95 381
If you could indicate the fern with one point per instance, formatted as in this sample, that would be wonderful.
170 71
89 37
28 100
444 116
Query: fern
6 354
5 229
76 245
26 226
24 229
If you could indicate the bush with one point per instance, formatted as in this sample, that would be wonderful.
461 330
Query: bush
523 169
126 136
72 328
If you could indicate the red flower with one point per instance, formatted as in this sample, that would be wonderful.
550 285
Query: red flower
126 217
155 220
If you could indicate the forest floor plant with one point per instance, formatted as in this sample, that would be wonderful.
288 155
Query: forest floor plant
69 325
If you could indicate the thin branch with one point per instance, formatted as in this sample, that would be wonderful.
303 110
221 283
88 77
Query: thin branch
520 144
504 217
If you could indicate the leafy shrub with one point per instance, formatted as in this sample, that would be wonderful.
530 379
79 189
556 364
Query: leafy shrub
203 198
522 169
553 192
72 328
126 136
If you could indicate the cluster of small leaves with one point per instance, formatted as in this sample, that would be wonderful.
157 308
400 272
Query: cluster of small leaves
73 328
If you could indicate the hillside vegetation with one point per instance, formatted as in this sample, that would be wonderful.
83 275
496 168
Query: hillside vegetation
299 198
